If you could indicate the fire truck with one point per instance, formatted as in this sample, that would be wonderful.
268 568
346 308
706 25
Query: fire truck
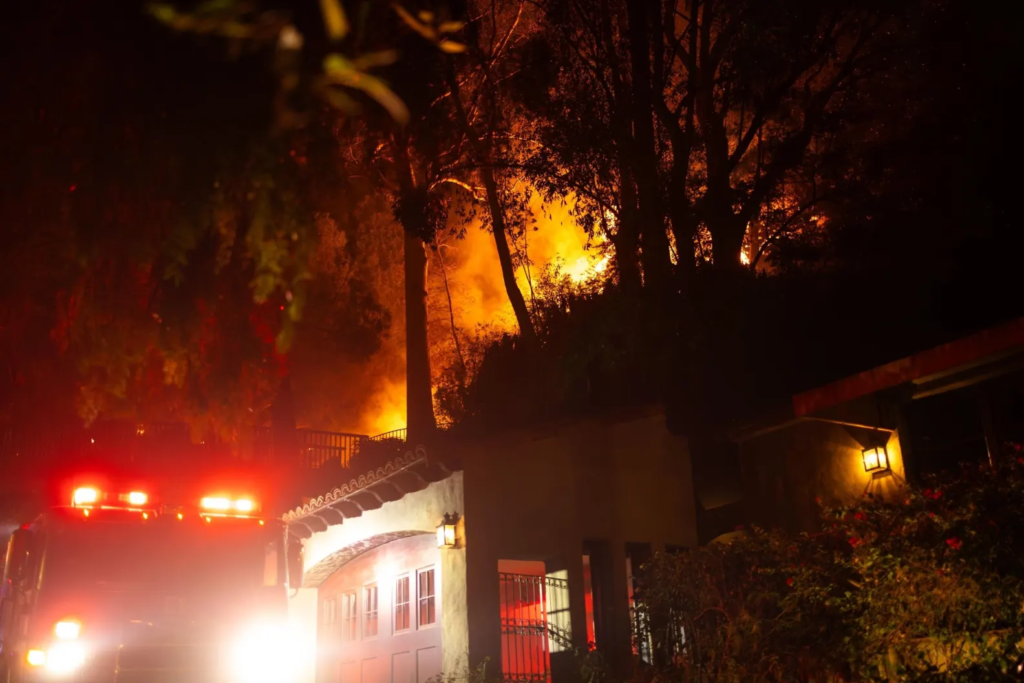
120 586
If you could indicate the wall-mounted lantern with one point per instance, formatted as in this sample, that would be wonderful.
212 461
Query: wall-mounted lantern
446 531
876 460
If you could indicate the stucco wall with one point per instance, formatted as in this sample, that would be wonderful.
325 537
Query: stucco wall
786 472
418 511
539 495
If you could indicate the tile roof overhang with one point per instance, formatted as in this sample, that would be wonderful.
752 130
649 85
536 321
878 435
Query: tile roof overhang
987 353
404 474
323 569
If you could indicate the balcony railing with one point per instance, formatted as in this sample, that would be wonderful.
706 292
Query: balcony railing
314 448
318 448
394 434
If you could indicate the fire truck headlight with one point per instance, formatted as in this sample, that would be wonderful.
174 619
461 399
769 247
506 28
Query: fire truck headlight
64 658
262 654
67 629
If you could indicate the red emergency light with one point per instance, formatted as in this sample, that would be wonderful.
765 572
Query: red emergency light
91 497
85 496
224 506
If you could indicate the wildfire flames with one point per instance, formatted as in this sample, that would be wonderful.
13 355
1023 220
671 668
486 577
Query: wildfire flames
372 397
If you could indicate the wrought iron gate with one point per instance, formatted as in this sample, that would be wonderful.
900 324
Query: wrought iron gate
534 623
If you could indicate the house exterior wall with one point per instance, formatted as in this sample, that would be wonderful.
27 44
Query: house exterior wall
419 511
786 472
543 495
348 651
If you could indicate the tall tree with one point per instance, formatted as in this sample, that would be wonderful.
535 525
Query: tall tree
161 233
653 241
575 83
414 159
484 114
747 100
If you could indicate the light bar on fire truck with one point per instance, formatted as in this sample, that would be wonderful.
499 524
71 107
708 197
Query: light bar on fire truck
225 506
90 497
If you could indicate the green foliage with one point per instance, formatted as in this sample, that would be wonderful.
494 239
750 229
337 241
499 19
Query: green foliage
242 22
598 348
926 588
481 673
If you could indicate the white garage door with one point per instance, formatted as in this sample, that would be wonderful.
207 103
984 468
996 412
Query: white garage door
380 616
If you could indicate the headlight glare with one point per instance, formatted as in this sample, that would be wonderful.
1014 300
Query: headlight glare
67 629
261 654
63 658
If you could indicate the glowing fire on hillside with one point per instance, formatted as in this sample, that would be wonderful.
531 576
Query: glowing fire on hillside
467 270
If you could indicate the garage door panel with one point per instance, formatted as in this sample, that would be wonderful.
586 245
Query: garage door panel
428 663
372 671
403 669
402 650
348 672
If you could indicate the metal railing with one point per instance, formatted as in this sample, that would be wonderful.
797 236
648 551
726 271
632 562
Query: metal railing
534 624
313 448
318 448
524 643
402 434
398 434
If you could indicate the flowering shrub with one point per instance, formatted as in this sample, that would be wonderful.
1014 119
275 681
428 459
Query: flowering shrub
926 588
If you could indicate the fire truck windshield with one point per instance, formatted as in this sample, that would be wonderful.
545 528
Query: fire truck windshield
224 554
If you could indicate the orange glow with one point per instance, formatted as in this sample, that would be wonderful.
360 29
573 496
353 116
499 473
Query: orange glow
479 301
137 498
585 269
875 459
85 496
85 512
145 515
181 516
36 658
547 241
244 505
386 409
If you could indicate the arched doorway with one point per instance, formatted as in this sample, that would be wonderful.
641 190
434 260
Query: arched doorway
379 614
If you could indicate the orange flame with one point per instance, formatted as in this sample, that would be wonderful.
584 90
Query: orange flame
468 270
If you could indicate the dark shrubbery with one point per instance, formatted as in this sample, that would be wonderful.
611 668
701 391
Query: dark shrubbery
927 588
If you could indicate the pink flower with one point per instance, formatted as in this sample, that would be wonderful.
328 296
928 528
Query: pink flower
954 543
855 541
789 581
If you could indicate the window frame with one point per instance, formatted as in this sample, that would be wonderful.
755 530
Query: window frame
365 621
408 604
329 611
432 597
350 622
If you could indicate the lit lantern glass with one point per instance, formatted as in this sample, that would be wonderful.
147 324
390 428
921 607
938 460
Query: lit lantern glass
446 532
876 459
